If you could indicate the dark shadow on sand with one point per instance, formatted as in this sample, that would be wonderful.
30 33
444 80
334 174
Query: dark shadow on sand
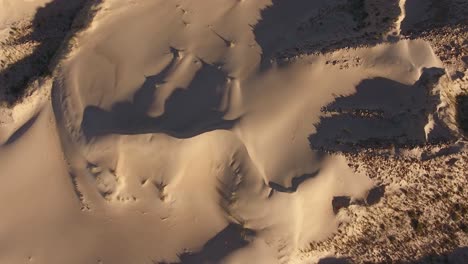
286 27
21 131
188 112
230 239
278 19
380 114
427 15
50 26
295 182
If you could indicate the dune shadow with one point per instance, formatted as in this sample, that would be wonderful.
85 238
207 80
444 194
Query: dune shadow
380 114
283 14
303 26
426 15
230 239
22 130
187 112
295 183
50 26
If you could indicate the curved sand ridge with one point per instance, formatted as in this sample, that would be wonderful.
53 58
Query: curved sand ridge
175 129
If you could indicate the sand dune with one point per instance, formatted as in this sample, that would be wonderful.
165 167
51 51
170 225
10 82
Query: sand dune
184 132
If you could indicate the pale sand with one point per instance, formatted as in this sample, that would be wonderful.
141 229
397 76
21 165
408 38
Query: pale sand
167 124
11 11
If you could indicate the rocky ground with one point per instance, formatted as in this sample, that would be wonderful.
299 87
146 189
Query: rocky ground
416 214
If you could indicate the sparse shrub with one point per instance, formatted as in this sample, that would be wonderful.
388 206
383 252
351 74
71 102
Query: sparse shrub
462 112
359 13
463 227
417 225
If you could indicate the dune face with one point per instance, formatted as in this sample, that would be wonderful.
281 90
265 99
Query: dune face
186 132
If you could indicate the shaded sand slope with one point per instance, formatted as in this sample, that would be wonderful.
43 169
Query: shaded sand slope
165 131
31 32
11 11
